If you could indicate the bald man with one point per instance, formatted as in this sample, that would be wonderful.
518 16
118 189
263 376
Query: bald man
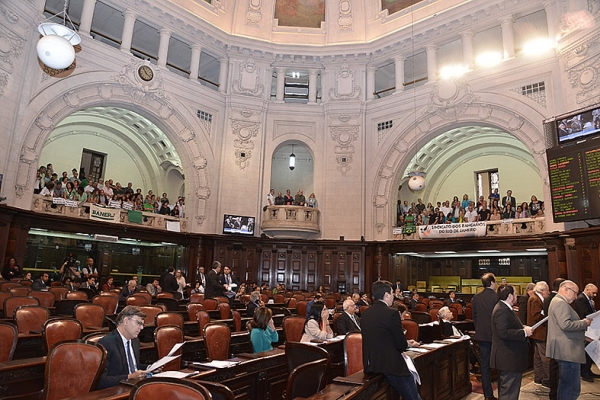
348 321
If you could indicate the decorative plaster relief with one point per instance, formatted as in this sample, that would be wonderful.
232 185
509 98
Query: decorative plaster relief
140 91
345 15
3 82
245 132
247 80
345 87
11 47
585 78
450 98
253 12
304 128
344 136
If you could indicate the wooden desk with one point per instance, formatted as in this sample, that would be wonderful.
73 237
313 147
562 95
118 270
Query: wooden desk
22 376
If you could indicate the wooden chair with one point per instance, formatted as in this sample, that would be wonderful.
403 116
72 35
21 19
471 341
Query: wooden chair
56 283
292 328
421 307
111 294
301 308
203 319
353 360
12 303
81 360
60 292
292 302
20 291
224 310
334 322
297 354
298 297
264 298
9 335
196 298
217 337
420 317
151 312
91 316
109 303
77 296
307 379
56 330
362 309
136 301
4 296
170 304
435 303
169 388
221 299
454 312
218 391
458 307
5 286
433 313
412 329
192 309
278 298
330 303
31 318
46 299
210 304
237 320
94 337
169 318
145 295
67 307
165 295
468 312
90 293
165 337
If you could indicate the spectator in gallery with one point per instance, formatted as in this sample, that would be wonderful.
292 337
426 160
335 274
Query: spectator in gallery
11 270
420 206
471 214
495 215
525 208
108 285
288 199
300 200
484 212
535 206
312 201
509 199
279 200
271 198
465 201
508 212
495 195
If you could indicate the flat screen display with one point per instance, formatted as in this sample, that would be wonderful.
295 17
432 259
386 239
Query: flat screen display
575 180
238 224
578 125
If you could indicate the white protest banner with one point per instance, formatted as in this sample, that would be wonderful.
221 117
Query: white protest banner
104 214
468 229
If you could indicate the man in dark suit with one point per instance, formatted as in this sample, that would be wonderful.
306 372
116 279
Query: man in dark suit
509 199
227 278
483 305
128 290
168 282
510 346
201 276
535 308
213 287
414 300
123 349
584 305
384 342
452 299
348 321
553 370
522 302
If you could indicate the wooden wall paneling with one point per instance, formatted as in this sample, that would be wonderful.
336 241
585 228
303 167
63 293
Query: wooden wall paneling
298 274
5 224
355 283
328 259
16 245
341 270
311 270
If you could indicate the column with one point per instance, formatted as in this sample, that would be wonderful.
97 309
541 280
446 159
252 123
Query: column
371 82
163 47
195 62
467 45
508 37
127 35
223 66
551 20
312 85
399 69
87 14
280 84
431 62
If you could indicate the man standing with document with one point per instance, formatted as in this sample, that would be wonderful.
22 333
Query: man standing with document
535 313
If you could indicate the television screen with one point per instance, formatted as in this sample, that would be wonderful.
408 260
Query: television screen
575 180
238 224
578 125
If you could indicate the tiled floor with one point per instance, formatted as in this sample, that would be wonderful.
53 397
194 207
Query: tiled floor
531 391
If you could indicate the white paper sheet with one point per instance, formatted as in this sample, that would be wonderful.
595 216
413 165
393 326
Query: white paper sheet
160 363
540 322
174 374
593 349
219 364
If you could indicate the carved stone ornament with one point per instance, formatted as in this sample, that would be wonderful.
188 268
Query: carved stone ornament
253 14
345 87
247 80
584 78
450 98
139 90
344 136
11 47
345 15
245 132
3 82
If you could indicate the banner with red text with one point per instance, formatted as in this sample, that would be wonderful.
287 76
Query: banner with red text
468 229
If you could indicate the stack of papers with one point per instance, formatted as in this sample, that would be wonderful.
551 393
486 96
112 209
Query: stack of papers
218 364
175 374
166 359
433 345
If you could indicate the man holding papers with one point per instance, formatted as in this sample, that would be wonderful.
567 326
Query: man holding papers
584 305
123 349
535 313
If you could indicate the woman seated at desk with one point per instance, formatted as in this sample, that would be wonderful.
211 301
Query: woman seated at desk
263 333
446 316
316 326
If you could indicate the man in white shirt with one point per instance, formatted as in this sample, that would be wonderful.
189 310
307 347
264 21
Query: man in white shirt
445 208
89 269
471 214
90 187
75 176
271 198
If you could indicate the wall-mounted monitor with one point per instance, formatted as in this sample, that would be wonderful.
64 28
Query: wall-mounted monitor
578 125
238 224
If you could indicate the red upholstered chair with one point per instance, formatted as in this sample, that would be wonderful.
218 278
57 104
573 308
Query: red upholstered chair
278 298
91 316
292 302
169 388
136 301
297 353
203 319
330 302
196 298
424 300
268 293
12 303
77 296
221 299
218 391
298 297
237 320
412 329
109 293
307 379
362 309
109 303
20 291
165 337
192 309
5 286
458 307
145 295
292 328
264 298
26 282
421 307
56 283
31 319
169 318
210 304
4 296
81 360
435 303
94 337
353 361
59 329
9 335
170 304
468 312
224 310
165 295
334 323
433 313
151 312
60 292
301 308
217 337
46 299
245 299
